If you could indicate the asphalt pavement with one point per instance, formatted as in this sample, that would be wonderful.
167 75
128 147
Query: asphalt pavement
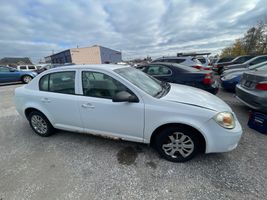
78 166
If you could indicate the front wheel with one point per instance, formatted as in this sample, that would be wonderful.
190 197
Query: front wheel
40 124
177 144
26 79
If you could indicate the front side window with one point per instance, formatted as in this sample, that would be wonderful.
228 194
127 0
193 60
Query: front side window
58 82
158 70
96 84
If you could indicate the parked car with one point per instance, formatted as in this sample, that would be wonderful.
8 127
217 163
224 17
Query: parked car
230 80
238 60
176 73
252 67
124 103
253 61
9 74
252 90
183 60
204 61
26 67
43 68
226 59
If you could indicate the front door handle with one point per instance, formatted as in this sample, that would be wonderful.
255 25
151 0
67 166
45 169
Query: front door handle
87 105
45 100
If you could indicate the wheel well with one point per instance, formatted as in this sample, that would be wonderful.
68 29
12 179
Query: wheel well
28 111
200 136
25 75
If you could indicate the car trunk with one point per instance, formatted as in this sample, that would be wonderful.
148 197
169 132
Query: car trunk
250 80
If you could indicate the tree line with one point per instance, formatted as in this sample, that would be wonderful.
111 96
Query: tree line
254 42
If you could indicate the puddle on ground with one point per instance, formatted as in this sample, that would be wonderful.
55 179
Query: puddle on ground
127 155
151 164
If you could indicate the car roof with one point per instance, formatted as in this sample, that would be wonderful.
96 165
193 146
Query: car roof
106 67
175 57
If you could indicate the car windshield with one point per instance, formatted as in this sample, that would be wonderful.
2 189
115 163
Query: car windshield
141 80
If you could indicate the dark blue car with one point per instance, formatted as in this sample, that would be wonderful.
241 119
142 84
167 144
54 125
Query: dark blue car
231 79
180 74
229 82
9 74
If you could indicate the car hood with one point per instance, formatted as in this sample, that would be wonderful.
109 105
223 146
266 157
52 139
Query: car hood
195 97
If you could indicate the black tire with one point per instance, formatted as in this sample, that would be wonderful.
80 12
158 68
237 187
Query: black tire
44 132
191 138
26 79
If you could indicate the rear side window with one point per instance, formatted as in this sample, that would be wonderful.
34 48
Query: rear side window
59 82
23 67
158 70
4 69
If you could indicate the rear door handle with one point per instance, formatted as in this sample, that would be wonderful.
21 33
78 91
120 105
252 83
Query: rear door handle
87 105
45 100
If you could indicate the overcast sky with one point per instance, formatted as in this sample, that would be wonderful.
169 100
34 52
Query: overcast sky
34 28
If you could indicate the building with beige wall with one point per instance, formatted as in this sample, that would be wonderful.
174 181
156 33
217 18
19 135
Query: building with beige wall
86 55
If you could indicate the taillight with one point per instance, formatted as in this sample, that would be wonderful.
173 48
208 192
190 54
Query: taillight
261 86
198 67
208 79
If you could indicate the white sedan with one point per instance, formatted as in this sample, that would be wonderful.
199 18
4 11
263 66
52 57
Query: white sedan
124 103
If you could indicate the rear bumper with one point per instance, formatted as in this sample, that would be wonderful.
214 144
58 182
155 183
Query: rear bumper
229 84
256 100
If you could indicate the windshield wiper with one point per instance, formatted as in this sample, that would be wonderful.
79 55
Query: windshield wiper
165 87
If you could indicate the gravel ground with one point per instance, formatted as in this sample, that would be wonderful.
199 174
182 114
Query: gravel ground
76 166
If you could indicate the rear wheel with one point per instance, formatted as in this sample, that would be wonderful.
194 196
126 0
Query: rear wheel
26 79
40 124
177 144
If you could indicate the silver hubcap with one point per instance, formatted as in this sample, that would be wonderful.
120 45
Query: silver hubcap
39 124
27 79
178 144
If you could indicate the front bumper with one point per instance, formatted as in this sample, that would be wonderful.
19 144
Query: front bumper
220 139
256 100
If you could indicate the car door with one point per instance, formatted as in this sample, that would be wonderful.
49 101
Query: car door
160 72
9 75
100 115
58 97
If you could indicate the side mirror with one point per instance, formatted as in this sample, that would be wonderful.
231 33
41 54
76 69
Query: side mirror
12 70
124 96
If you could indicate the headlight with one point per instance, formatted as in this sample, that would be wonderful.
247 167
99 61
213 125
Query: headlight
225 119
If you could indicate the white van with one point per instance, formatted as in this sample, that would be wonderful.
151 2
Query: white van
27 67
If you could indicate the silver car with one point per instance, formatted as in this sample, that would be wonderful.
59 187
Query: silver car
253 61
259 66
252 90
